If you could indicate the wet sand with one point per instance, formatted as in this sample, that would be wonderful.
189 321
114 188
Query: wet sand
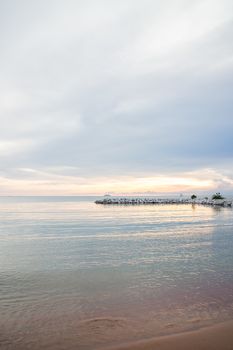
212 338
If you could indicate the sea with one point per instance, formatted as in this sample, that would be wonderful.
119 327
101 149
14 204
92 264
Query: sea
77 275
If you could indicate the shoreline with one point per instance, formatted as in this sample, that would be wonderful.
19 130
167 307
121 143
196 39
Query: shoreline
215 337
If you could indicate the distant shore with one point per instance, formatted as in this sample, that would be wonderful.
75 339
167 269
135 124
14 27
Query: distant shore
217 337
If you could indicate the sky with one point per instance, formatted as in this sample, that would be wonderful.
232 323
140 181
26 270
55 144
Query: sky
116 96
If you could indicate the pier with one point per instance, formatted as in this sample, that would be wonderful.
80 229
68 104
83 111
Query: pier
157 201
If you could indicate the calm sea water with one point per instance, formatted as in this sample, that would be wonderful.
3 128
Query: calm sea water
76 275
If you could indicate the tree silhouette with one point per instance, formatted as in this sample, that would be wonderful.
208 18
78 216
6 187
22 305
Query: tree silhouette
217 196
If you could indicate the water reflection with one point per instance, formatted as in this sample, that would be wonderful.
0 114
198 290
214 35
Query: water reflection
193 206
64 264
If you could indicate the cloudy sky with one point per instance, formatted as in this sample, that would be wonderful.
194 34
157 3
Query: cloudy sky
119 96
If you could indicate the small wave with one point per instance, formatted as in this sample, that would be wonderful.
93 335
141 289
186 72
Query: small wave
103 323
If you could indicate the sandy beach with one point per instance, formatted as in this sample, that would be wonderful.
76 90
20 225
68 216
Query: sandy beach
218 337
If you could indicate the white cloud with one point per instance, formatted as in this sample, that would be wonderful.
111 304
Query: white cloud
8 148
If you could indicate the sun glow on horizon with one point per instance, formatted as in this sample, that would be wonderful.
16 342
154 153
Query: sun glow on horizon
44 183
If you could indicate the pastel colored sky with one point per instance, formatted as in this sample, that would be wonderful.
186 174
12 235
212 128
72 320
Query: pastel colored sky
119 96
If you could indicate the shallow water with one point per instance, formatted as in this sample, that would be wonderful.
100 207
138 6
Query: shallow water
76 275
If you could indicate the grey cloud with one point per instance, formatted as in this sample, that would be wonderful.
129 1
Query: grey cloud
116 87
